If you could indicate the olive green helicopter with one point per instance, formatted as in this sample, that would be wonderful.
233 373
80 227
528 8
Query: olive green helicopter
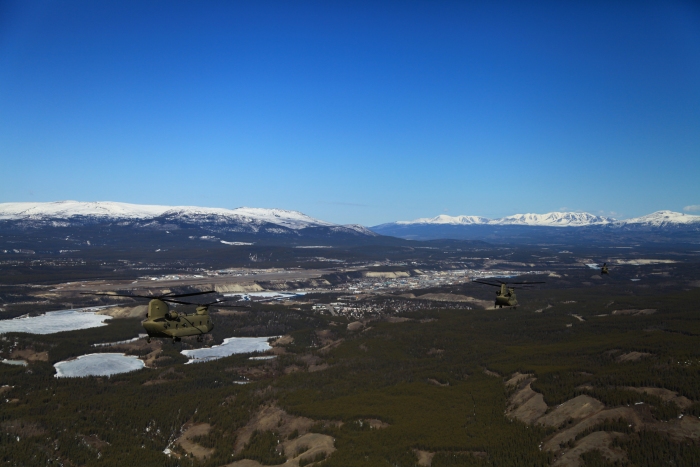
604 269
165 323
505 297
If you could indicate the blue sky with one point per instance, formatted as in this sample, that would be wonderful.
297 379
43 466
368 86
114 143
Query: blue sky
353 112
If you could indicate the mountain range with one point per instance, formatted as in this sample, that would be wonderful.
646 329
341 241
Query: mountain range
105 219
571 226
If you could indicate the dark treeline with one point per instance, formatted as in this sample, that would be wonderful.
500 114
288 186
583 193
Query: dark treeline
425 379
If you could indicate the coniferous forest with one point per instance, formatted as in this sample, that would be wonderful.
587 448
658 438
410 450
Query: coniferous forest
426 387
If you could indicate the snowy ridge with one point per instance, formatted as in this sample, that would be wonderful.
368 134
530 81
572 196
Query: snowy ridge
663 219
107 210
448 220
562 219
551 219
554 219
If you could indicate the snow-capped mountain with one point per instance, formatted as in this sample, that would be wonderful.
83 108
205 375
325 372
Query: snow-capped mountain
551 219
107 222
526 227
108 210
554 219
448 220
663 219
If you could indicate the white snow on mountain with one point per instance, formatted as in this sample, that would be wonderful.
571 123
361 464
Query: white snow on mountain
360 229
664 218
561 219
449 220
554 219
68 209
551 219
124 211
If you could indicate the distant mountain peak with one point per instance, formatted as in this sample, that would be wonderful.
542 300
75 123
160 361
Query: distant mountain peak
106 211
550 219
664 218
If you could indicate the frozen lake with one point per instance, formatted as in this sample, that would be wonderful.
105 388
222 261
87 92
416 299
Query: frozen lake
98 364
14 362
55 321
231 345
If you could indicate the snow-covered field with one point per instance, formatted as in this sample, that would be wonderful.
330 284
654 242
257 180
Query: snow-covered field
231 345
98 364
55 321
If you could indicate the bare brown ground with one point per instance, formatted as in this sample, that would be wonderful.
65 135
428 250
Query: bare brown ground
22 428
526 405
632 356
94 442
425 458
517 378
597 440
5 389
316 444
284 340
292 369
562 437
397 319
686 427
587 412
355 326
327 348
320 367
149 359
491 373
190 447
665 395
30 355
273 418
577 408
435 382
648 311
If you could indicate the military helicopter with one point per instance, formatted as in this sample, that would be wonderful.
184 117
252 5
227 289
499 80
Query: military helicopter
506 296
161 322
604 269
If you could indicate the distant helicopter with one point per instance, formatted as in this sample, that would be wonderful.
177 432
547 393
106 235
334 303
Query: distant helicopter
604 269
161 322
506 296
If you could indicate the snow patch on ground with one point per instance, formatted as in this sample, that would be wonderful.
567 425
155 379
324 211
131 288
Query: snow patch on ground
55 321
98 364
230 346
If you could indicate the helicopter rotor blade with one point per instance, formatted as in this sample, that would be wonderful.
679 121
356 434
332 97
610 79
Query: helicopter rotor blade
118 295
168 300
526 283
487 283
173 295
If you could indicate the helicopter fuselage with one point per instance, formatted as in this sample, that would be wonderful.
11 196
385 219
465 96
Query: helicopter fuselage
505 297
161 322
182 326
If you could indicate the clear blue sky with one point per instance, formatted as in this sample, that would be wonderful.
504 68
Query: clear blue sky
353 112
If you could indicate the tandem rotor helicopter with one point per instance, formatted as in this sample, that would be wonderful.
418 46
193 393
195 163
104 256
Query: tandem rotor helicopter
164 323
506 296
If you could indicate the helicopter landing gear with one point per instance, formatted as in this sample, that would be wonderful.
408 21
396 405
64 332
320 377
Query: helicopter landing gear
176 339
200 339
148 340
